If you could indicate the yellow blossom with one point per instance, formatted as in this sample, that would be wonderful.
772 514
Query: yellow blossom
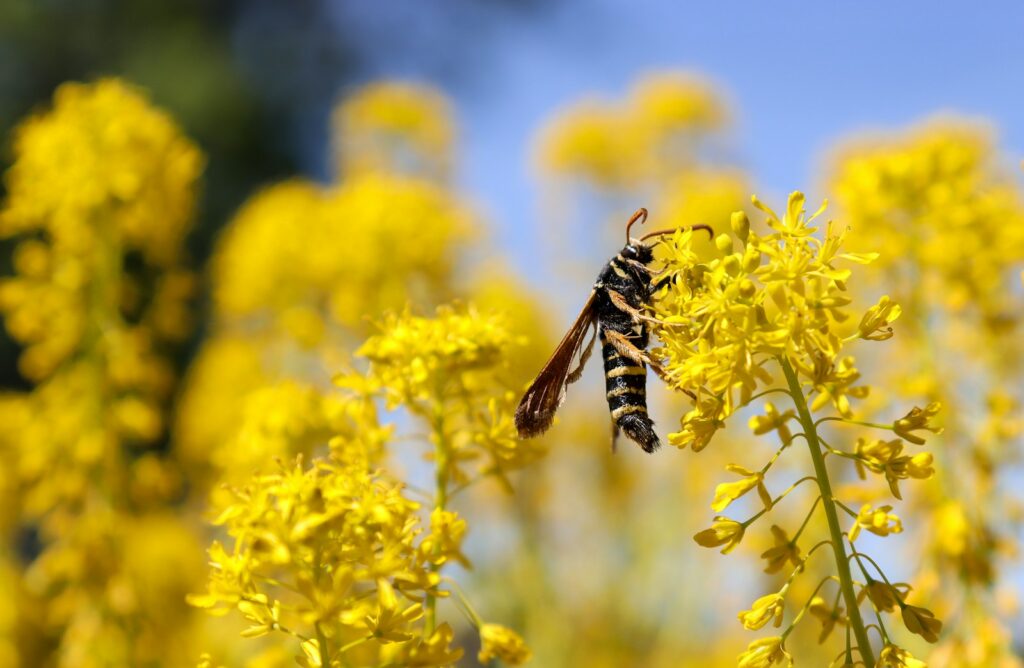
893 656
784 550
433 651
415 357
765 609
99 199
770 301
828 616
921 621
723 531
592 141
765 653
768 296
697 428
391 127
444 541
885 457
727 492
773 420
874 326
878 521
498 642
917 419
883 595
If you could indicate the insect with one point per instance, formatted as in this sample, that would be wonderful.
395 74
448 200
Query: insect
613 312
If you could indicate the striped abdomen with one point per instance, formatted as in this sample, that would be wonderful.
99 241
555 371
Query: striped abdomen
626 387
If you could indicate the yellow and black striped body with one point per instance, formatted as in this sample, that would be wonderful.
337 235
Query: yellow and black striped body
625 375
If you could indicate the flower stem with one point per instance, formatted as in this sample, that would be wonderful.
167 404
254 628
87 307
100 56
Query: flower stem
829 505
441 474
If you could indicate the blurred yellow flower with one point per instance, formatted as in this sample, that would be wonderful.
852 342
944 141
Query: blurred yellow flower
498 642
897 657
765 653
784 550
723 531
765 609
878 521
393 128
921 621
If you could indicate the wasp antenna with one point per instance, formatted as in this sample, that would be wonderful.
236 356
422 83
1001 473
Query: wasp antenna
639 215
706 228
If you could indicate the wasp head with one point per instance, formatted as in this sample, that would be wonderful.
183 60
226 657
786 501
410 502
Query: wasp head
638 251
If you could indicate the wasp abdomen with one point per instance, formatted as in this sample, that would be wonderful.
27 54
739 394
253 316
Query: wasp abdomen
626 391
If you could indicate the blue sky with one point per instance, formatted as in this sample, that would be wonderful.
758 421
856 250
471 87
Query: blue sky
799 76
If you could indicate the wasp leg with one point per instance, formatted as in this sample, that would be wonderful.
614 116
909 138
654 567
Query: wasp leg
615 437
626 348
658 285
619 302
575 374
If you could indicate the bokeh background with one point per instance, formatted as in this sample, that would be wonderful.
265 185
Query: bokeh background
529 132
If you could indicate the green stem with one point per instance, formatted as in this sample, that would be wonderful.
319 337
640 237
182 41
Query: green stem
321 641
828 504
440 497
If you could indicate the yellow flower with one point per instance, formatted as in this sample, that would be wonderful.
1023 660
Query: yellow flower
723 531
835 383
916 420
785 549
498 642
883 595
938 200
878 521
885 457
874 326
765 609
765 653
594 142
302 256
416 357
772 295
433 651
444 541
392 127
897 657
727 492
828 617
99 199
391 620
921 621
697 428
773 420
668 102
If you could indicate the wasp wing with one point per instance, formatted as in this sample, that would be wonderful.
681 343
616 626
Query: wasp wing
537 409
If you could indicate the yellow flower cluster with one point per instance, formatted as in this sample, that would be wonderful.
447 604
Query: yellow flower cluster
780 295
302 267
420 358
625 145
778 302
393 128
937 200
334 553
335 556
100 175
952 217
311 257
449 370
99 199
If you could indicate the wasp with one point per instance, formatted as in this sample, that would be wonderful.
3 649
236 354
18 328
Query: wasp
614 312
